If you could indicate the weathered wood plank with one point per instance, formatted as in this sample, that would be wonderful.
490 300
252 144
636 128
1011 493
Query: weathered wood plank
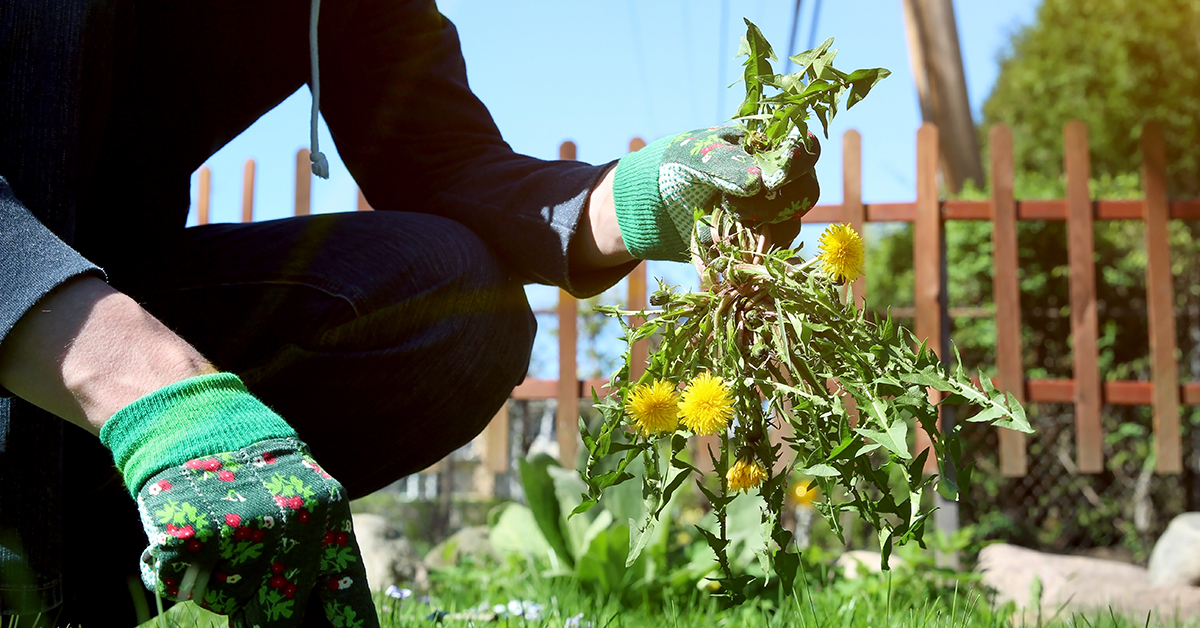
1160 305
1006 293
1089 435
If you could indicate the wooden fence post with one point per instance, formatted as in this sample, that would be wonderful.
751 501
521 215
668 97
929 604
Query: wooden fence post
854 213
567 416
639 353
1089 439
1160 303
1006 291
202 196
248 191
927 261
303 183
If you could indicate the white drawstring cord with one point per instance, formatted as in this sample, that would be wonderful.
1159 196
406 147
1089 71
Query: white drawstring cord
320 165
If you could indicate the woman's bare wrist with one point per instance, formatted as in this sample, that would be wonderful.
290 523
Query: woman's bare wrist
85 351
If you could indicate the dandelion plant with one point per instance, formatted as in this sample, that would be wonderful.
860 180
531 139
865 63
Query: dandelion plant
774 360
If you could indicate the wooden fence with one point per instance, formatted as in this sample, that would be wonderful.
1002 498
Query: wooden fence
928 213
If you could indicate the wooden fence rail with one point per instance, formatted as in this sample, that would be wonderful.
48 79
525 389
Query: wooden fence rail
1086 389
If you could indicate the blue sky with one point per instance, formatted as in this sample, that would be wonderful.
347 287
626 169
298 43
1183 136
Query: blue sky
601 73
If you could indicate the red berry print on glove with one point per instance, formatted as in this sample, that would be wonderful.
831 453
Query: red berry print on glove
278 582
342 538
257 536
281 501
233 520
302 516
158 487
295 502
277 568
207 464
289 590
225 475
194 545
241 534
186 532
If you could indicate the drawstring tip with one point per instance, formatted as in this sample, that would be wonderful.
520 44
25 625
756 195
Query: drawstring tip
320 165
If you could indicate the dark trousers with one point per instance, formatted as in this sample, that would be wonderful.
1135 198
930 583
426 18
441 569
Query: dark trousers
387 339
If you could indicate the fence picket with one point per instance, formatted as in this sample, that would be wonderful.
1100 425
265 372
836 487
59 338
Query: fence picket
1089 434
1006 293
202 196
854 213
248 191
567 415
1160 303
303 183
927 260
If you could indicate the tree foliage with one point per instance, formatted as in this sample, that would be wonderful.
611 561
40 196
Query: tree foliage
1113 64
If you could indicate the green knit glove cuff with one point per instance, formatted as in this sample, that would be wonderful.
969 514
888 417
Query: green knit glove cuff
196 417
646 226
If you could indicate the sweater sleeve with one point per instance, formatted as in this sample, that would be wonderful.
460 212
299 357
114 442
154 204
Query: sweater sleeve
33 261
395 95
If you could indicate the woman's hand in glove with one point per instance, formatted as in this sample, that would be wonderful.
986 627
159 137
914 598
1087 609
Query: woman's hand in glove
658 188
239 517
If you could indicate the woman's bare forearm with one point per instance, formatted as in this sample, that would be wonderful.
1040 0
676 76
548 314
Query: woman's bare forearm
85 351
598 243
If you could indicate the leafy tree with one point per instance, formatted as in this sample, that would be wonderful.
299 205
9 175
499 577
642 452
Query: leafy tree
1113 64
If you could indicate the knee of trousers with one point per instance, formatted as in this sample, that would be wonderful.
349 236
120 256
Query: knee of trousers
419 371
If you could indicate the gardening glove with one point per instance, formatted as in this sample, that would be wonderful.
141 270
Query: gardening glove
239 516
658 188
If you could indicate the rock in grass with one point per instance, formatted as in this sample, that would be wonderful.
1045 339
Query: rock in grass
387 556
472 541
1067 584
1175 560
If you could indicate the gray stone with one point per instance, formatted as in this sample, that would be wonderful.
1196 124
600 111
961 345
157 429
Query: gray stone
855 563
472 541
1175 560
1078 583
387 556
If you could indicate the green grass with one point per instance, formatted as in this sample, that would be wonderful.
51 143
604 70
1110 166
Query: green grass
464 596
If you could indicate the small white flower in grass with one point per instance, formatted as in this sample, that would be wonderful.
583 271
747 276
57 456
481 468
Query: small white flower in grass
398 593
499 609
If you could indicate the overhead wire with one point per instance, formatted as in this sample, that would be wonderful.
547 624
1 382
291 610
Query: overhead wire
722 40
787 65
639 54
812 29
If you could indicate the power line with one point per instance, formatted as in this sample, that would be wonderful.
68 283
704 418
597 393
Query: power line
812 29
636 32
787 65
721 54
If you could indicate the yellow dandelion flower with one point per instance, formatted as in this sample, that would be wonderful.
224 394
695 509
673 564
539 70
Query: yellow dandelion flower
706 406
745 475
654 407
805 493
841 252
